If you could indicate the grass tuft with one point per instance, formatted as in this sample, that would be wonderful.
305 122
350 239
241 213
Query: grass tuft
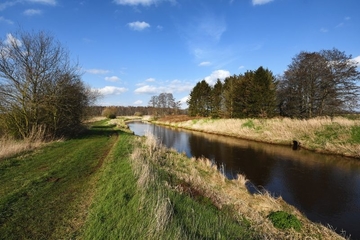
284 220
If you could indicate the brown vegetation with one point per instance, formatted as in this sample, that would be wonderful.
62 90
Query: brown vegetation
336 135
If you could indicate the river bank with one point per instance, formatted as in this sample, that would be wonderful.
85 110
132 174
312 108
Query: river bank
200 179
336 135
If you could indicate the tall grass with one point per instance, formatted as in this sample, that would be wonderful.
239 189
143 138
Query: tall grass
10 146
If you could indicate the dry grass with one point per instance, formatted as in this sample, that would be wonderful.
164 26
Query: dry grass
203 177
10 147
331 135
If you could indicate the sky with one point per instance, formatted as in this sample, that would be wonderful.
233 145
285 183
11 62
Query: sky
130 50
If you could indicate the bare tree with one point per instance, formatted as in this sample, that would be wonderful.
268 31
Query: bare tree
39 88
319 83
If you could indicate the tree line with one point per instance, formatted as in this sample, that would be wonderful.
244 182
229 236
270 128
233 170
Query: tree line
315 84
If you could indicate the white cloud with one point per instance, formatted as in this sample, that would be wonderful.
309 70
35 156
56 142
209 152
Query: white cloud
10 39
138 26
141 2
7 4
183 101
97 71
147 89
241 67
203 33
32 12
203 64
260 2
2 19
357 60
47 2
111 90
324 30
112 79
138 102
150 80
215 75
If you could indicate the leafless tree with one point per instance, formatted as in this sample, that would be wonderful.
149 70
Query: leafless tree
39 87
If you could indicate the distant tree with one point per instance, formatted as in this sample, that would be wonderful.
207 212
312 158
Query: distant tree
39 88
163 104
319 83
109 112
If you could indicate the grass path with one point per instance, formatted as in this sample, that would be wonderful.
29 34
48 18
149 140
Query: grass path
43 194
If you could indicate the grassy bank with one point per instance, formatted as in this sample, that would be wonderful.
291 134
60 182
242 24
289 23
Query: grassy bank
329 135
44 194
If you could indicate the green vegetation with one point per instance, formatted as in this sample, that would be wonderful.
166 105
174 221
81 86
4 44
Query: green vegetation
109 112
135 201
44 194
355 134
284 220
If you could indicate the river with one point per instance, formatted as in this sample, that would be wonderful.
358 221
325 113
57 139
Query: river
325 188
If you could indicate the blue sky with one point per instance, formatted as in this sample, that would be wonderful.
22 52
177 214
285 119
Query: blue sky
131 50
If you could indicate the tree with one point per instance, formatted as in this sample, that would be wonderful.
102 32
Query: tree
39 88
319 83
217 99
200 100
262 101
229 93
164 104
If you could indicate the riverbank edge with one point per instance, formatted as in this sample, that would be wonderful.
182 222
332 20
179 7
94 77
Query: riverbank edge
309 138
202 177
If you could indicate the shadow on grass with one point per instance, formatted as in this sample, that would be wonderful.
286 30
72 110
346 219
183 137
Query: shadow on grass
100 131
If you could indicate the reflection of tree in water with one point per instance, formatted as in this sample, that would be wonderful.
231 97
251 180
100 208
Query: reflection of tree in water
255 163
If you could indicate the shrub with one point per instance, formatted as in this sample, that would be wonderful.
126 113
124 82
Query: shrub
109 112
284 220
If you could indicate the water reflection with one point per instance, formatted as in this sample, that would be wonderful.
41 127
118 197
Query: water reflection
325 188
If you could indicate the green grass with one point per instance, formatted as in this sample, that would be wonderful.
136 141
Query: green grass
43 193
284 220
125 210
355 134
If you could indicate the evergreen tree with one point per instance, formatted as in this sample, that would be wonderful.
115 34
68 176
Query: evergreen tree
200 100
216 99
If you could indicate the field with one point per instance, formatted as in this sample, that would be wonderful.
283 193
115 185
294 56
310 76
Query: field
110 184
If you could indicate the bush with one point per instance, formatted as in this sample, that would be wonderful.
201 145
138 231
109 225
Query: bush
284 220
109 112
